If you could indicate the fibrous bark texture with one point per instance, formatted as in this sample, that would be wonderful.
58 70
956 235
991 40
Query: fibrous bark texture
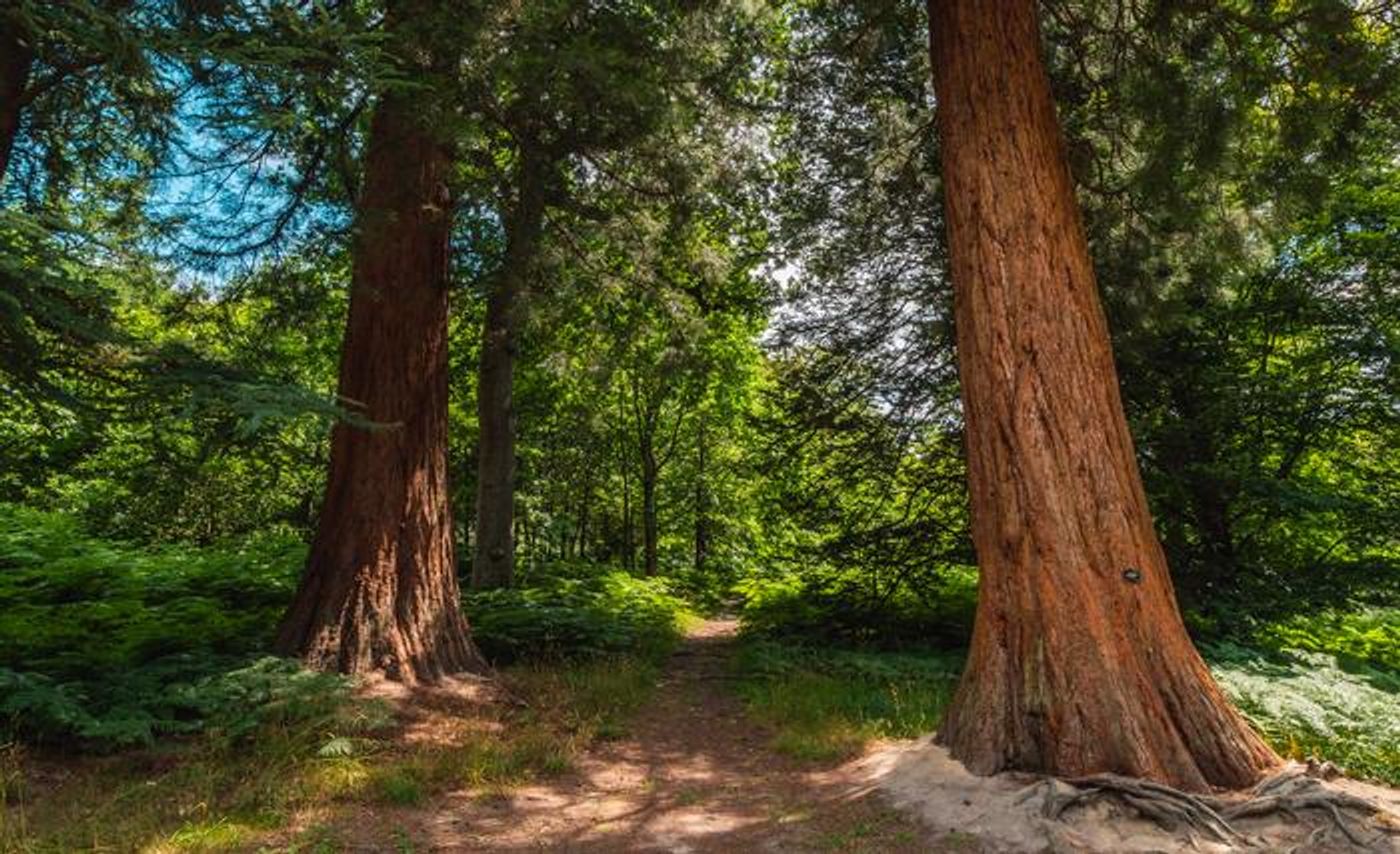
380 590
1080 662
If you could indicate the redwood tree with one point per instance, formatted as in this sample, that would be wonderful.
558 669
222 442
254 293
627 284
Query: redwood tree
1080 661
380 591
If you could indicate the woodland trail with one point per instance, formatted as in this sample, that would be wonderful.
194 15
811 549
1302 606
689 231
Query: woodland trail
694 774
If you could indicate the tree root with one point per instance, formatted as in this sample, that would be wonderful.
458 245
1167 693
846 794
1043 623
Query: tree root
1292 793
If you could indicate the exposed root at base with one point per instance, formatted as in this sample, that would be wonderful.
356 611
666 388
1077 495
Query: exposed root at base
1292 793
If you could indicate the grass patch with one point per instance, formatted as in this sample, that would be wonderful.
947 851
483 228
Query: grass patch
179 797
593 699
827 703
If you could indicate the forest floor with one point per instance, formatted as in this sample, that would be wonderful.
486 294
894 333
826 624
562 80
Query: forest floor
692 773
613 756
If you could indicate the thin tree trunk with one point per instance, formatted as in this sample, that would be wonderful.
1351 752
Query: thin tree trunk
16 63
585 505
380 589
702 501
1210 506
629 537
649 525
1079 660
494 563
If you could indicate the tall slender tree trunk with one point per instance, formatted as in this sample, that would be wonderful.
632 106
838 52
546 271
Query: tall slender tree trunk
380 589
584 512
702 500
1208 500
16 63
650 529
629 535
1079 660
494 562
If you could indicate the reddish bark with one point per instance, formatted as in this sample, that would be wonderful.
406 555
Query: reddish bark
380 590
1080 661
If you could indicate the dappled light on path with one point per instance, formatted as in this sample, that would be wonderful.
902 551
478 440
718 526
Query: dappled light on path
693 773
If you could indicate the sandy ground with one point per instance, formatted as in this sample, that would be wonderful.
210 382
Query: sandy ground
1004 813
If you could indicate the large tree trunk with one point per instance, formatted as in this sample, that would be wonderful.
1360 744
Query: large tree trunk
16 62
1079 661
380 589
494 563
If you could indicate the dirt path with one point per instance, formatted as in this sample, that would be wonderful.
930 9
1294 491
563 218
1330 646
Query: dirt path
694 774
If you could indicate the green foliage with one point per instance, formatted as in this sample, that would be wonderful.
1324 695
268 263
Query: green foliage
826 703
197 420
1323 684
1317 705
1369 637
839 609
103 644
53 313
573 610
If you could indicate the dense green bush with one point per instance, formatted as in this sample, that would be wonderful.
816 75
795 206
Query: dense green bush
105 645
843 610
571 610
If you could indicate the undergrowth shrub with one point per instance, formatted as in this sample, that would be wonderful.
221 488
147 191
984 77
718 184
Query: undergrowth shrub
844 610
105 645
1369 636
1315 705
577 610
